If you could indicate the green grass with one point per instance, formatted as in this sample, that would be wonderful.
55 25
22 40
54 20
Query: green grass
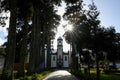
43 74
110 77
118 69
103 76
36 76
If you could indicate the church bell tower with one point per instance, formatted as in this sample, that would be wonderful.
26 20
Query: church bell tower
60 52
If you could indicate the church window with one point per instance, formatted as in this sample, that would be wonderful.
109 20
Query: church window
60 43
59 48
53 58
65 58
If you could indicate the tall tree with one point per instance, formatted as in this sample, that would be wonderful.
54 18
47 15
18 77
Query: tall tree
23 53
33 45
112 46
94 24
10 55
73 14
43 19
25 14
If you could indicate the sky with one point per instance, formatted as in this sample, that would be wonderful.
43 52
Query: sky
109 16
109 12
3 30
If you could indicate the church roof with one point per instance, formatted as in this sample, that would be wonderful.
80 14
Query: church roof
60 38
54 52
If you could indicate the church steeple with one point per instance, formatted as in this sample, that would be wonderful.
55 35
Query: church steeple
60 42
60 51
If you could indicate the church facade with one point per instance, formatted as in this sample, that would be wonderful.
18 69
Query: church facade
59 59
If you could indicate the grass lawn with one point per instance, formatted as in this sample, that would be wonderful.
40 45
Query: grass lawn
110 76
43 74
39 76
103 76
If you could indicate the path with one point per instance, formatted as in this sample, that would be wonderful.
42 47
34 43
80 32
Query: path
60 75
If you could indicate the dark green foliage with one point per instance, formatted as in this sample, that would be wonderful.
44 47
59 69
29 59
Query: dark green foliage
72 1
2 51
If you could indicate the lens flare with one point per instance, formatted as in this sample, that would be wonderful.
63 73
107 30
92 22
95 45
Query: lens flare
69 27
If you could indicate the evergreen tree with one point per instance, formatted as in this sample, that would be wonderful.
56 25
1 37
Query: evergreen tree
10 53
44 20
94 24
73 14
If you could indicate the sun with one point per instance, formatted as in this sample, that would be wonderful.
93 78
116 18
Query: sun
69 27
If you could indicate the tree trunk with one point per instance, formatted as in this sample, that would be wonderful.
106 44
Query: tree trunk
80 51
23 53
74 61
35 44
114 63
48 41
48 51
32 58
88 67
97 68
37 39
11 45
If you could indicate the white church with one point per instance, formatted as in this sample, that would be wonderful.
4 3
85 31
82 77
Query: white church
60 59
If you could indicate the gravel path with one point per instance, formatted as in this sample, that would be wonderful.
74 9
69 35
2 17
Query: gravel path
60 75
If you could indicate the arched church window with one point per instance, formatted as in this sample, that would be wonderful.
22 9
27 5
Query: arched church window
65 58
60 43
53 58
59 48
